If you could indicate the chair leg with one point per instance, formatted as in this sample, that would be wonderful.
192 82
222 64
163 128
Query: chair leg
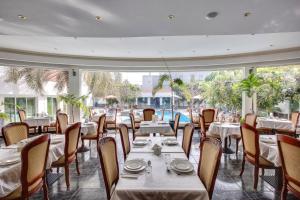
229 141
57 170
77 165
256 171
237 146
67 176
243 166
45 189
262 171
90 143
283 192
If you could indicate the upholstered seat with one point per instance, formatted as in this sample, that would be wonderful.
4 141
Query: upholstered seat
62 119
147 114
209 162
15 132
124 139
209 117
262 161
188 132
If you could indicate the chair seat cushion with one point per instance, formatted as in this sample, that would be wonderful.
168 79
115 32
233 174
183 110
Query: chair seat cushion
262 161
61 160
89 136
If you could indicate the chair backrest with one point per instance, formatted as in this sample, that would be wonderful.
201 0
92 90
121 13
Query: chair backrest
15 132
148 112
34 158
22 115
295 119
289 151
209 162
131 115
250 138
250 119
162 114
107 150
176 123
187 138
72 135
125 139
202 126
62 119
101 124
209 115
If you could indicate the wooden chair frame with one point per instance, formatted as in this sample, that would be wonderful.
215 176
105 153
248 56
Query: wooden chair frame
219 146
30 127
286 178
207 123
114 121
103 141
58 130
12 125
122 140
190 142
148 110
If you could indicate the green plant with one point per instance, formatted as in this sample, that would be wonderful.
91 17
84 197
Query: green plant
173 84
3 116
250 85
75 102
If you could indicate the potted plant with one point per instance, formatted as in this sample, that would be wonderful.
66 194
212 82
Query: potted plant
250 85
173 84
74 102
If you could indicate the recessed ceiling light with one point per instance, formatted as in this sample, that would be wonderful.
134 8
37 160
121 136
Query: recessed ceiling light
247 14
98 18
211 15
171 16
22 17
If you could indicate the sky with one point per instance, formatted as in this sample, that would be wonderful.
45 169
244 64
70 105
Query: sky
136 77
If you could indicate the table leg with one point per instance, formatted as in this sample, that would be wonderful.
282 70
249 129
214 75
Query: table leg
83 148
226 149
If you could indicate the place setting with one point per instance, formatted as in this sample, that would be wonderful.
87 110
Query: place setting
170 142
10 159
180 166
140 143
133 168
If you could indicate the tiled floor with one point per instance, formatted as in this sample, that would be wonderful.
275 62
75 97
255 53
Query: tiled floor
229 185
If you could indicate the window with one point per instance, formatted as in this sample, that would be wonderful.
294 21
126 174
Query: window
51 106
13 104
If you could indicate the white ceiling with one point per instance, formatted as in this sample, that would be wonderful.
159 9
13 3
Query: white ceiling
142 29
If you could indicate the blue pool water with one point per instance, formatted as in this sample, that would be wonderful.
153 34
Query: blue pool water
167 117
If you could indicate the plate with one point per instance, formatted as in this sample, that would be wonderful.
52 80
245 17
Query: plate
10 160
182 165
140 142
135 165
170 142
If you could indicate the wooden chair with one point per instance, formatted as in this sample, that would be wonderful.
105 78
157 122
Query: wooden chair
295 121
194 120
203 129
289 151
72 134
134 127
250 119
111 121
99 132
33 169
209 162
250 138
22 116
15 132
147 113
124 139
209 117
53 126
187 138
62 119
107 150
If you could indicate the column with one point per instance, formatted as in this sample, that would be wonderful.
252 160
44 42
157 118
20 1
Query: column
74 86
246 101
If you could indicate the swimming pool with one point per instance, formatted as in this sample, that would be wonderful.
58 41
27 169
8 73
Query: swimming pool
167 116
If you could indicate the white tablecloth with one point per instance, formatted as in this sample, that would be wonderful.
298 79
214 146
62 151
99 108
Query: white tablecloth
156 140
270 151
147 127
224 129
274 123
87 128
38 121
10 175
160 184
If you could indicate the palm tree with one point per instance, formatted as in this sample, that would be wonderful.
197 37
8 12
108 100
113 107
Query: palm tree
250 85
176 83
35 78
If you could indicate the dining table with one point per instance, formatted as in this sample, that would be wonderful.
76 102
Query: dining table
269 150
10 172
274 123
148 127
85 129
38 122
224 131
159 180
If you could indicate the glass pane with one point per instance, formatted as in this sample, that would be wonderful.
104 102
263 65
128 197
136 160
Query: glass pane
21 104
49 106
54 107
9 108
30 111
